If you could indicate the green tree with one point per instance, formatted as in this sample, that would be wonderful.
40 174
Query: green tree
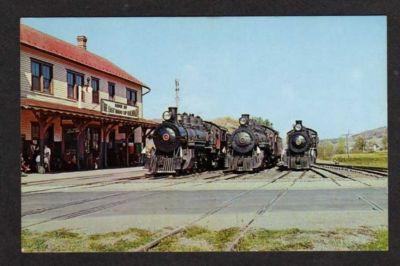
262 121
360 144
370 145
325 150
340 146
384 143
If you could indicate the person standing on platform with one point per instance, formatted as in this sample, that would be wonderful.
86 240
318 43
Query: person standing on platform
47 157
143 155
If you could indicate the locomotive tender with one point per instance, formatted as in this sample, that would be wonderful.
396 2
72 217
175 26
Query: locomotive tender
185 143
253 147
301 151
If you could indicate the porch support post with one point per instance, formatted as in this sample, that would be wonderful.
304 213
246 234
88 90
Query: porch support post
127 150
102 139
81 125
129 132
44 121
144 129
106 129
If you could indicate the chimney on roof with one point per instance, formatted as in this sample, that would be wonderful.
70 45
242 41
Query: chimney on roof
81 41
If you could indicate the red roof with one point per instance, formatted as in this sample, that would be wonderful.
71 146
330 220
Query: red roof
50 44
80 112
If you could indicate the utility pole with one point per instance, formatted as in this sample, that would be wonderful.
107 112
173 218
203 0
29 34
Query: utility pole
347 143
177 93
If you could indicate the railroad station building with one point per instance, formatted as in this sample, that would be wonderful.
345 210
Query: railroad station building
87 110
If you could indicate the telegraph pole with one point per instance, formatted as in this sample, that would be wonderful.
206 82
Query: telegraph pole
347 143
177 93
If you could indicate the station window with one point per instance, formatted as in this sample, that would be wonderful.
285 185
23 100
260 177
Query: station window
111 91
74 80
95 90
42 75
131 96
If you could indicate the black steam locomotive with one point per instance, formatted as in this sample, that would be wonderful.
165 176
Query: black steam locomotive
185 143
301 151
253 147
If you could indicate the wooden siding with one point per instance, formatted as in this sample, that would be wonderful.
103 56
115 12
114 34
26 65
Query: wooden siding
59 95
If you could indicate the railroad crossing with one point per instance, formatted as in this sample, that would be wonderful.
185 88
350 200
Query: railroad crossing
325 197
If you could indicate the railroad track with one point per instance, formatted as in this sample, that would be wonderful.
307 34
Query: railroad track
108 205
266 207
100 183
36 211
313 168
371 203
89 184
371 171
155 242
50 181
325 176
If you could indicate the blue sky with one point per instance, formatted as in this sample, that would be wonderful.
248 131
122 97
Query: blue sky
331 72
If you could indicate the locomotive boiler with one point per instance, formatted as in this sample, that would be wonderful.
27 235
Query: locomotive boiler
301 151
253 147
185 143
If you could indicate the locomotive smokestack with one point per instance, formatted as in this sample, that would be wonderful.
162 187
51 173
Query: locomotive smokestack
247 116
299 122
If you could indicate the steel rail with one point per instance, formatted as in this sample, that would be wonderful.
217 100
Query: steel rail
263 209
36 211
49 181
99 207
341 175
325 176
367 169
372 204
155 242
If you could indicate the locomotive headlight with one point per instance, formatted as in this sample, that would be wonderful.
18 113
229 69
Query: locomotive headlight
299 140
242 121
166 115
297 127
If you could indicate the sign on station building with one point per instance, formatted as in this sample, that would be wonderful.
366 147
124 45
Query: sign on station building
120 109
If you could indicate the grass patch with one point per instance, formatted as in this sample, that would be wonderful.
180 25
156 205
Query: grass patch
64 240
274 240
377 159
381 242
198 238
217 240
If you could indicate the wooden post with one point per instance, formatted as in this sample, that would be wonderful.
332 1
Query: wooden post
81 126
45 120
42 133
127 150
101 155
106 129
144 129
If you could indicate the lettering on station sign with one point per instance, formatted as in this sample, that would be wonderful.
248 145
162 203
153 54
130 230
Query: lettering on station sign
120 109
